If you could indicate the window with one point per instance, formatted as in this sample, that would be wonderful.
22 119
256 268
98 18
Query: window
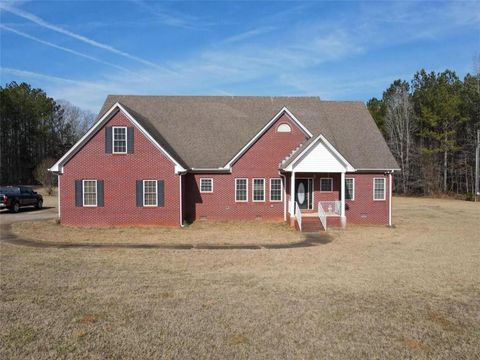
206 185
119 140
241 190
150 195
275 189
258 190
349 189
326 185
89 192
378 189
284 128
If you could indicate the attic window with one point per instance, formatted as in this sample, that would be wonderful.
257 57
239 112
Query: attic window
284 128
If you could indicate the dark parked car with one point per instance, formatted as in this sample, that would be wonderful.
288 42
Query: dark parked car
15 197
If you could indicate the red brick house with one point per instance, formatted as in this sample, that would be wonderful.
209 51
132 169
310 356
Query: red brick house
168 160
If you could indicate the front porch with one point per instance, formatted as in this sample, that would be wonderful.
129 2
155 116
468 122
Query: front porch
318 201
315 185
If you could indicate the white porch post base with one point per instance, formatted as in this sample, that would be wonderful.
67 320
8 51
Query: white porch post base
343 221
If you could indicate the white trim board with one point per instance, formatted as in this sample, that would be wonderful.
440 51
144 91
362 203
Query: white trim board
264 129
58 167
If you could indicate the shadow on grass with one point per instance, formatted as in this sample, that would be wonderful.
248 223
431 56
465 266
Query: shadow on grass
310 239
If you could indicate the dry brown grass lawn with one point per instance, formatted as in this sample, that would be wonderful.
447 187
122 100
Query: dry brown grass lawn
374 293
200 232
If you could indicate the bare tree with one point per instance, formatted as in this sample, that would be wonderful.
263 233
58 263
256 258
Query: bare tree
80 120
401 127
45 177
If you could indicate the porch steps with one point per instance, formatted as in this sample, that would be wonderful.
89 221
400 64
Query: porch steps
311 224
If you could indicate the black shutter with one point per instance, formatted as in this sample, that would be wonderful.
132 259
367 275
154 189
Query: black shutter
78 193
130 140
160 193
100 192
108 140
139 192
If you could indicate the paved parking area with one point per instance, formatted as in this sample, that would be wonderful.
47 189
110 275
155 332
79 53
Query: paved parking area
27 214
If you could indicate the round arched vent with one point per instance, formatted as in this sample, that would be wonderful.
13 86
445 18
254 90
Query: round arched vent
284 128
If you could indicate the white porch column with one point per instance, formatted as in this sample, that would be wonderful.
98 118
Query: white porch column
292 193
342 200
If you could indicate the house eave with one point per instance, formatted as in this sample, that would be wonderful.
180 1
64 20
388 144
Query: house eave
222 170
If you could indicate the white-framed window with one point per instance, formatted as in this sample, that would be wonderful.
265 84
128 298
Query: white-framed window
258 189
206 185
150 192
349 189
89 193
276 189
241 190
119 139
326 184
378 189
284 128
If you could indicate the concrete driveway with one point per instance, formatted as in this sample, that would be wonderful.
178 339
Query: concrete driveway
27 214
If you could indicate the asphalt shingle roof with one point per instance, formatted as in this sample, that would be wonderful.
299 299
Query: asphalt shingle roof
208 131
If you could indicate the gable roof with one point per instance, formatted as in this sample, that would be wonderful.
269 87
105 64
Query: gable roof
305 146
209 131
163 147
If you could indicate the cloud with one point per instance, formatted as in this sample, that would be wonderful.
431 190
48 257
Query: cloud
310 56
71 51
39 21
172 18
248 34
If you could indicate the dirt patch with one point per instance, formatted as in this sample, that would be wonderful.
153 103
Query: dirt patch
237 340
412 344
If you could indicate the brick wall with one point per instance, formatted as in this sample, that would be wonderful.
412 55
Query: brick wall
261 160
119 172
363 209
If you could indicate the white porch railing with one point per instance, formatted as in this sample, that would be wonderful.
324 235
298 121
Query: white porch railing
331 208
322 216
298 216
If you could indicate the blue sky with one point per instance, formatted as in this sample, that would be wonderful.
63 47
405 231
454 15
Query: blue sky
82 51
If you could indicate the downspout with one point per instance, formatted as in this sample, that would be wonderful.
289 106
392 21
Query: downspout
58 194
390 199
284 183
181 198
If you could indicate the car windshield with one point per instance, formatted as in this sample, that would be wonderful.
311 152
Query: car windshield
9 189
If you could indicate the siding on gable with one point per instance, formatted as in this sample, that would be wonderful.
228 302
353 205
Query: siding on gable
119 173
259 161
319 157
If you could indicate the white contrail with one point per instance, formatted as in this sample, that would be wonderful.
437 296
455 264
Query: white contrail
35 75
71 51
45 24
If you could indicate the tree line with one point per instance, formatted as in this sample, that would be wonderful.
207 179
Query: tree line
35 129
430 125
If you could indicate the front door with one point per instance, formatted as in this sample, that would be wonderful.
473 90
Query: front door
303 193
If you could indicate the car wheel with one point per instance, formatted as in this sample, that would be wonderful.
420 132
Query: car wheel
16 207
39 204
